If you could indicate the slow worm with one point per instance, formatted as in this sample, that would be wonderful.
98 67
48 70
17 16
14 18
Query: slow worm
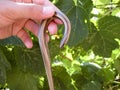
44 46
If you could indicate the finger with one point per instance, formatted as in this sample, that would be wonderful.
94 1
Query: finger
33 11
58 21
23 35
32 26
16 27
52 28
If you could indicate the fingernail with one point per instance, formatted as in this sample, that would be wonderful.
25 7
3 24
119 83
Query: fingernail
28 44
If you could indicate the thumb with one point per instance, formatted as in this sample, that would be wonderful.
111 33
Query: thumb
32 11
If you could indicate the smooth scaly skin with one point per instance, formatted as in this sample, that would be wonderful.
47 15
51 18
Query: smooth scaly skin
44 46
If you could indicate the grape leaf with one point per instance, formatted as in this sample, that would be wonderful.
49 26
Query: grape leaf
64 6
62 79
88 77
89 69
54 48
117 64
92 85
79 18
18 80
106 75
79 80
11 41
29 60
83 83
105 1
102 41
2 75
87 5
79 29
108 31
4 66
109 1
8 52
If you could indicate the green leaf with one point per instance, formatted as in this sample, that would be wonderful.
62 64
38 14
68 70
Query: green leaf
54 48
8 51
92 85
106 75
79 80
83 83
2 75
62 79
3 60
117 64
29 60
78 16
4 66
64 6
105 1
108 1
116 12
11 41
102 41
18 80
89 69
79 29
87 5
109 30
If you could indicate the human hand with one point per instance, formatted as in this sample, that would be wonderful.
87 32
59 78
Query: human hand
15 15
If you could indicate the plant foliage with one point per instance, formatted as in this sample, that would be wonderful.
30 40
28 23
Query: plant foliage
90 61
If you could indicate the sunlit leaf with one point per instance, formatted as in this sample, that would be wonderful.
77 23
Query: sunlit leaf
108 1
105 1
116 12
